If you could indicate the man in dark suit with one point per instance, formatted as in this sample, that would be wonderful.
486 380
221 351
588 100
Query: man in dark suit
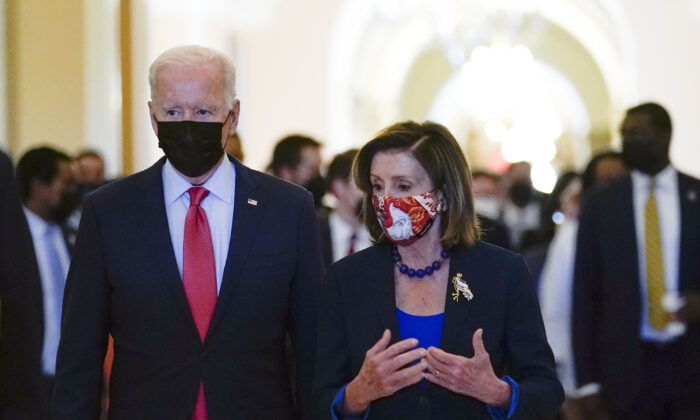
297 159
23 393
34 265
198 267
638 248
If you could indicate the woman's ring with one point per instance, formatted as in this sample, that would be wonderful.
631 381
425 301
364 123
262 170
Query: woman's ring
437 374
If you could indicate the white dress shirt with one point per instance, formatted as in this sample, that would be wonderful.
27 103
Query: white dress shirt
42 231
218 205
341 231
668 205
556 291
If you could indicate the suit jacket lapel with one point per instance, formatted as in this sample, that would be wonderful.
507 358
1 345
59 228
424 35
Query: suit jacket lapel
465 262
379 282
689 198
627 248
155 230
246 218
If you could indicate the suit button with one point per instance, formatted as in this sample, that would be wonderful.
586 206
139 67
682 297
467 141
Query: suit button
423 400
204 356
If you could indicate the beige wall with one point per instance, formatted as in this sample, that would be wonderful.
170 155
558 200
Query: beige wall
292 93
668 62
284 66
45 74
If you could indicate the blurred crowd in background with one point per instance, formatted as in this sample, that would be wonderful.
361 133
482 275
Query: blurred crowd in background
512 214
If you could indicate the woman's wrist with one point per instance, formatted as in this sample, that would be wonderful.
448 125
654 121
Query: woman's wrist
499 394
354 401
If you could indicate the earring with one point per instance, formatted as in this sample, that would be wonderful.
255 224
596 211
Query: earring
439 206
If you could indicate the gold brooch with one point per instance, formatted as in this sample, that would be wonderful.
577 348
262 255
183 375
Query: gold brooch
461 285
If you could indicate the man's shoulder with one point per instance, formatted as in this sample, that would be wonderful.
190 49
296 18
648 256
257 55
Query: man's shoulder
359 261
132 187
616 189
285 193
688 179
270 182
127 187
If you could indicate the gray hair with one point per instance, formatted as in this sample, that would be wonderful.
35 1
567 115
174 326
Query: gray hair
192 55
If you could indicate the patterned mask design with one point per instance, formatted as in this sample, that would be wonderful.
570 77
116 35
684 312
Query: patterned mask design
405 219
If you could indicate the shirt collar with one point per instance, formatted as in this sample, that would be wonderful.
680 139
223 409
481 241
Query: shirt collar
664 180
340 226
221 183
37 224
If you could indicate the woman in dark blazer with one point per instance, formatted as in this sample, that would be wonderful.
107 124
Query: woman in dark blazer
430 323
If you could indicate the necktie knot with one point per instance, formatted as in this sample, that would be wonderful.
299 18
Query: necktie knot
652 184
197 194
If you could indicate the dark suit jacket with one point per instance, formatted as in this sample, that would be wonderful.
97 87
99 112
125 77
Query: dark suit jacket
358 303
326 239
607 295
124 280
494 232
24 393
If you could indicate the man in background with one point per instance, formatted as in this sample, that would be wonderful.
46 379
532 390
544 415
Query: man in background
342 229
637 271
35 263
90 171
487 204
24 392
521 211
297 159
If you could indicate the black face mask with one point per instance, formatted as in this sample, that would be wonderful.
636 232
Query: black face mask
69 202
192 147
642 153
521 193
317 187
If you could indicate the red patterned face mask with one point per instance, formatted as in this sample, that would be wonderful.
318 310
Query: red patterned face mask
406 219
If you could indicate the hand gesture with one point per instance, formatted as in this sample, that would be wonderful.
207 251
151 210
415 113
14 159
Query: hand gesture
473 377
381 373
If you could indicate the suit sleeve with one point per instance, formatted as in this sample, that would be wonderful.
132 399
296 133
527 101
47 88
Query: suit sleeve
586 291
84 329
529 356
9 209
304 305
333 369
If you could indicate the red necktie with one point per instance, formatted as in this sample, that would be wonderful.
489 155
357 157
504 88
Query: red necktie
199 274
353 239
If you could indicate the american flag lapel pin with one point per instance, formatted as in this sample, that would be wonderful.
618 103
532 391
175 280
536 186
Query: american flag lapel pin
252 202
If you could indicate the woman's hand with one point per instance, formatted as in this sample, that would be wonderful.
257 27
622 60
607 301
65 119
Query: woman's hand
381 374
472 377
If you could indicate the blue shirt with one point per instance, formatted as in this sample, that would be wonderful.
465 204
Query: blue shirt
52 259
428 331
218 205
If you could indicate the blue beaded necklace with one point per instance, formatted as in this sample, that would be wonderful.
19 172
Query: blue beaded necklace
420 272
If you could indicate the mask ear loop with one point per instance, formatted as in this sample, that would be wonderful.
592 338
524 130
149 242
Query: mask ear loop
227 135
